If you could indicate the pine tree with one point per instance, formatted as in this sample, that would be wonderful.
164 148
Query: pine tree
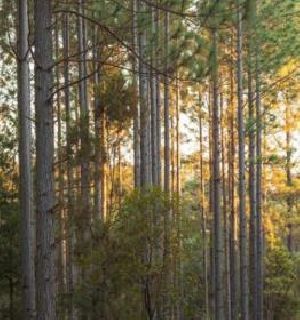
25 161
45 223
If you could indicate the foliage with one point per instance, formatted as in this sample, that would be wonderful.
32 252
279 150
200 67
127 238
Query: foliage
132 253
280 283
10 292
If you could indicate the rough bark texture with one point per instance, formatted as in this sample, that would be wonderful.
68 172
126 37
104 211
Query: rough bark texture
252 162
143 101
205 256
103 162
234 243
218 225
84 122
60 182
288 174
26 188
46 247
70 174
136 119
166 107
153 103
100 143
227 287
158 101
97 106
242 177
259 222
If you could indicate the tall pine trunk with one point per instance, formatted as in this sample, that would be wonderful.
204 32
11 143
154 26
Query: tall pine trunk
158 97
227 287
153 101
244 283
166 106
26 184
234 245
70 174
143 99
252 162
84 122
60 174
259 222
136 119
205 256
218 225
288 173
46 246
97 106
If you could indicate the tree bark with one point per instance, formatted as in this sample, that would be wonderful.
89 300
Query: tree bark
70 174
203 213
242 176
252 163
143 101
84 122
153 102
25 167
60 176
46 247
218 224
234 245
136 119
227 288
158 99
100 144
288 174
259 222
97 107
166 106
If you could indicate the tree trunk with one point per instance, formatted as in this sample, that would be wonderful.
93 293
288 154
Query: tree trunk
203 213
288 175
225 215
143 102
242 176
46 247
252 164
97 106
84 123
234 247
100 144
218 225
60 177
177 139
70 174
26 184
166 106
153 101
136 119
158 98
212 288
259 222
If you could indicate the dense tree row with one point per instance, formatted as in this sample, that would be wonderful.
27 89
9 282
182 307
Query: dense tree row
149 162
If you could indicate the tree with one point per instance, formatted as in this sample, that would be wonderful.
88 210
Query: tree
45 208
218 224
242 176
85 214
166 106
259 214
143 97
251 7
70 172
25 162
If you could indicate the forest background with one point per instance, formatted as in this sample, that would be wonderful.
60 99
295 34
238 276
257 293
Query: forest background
149 159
